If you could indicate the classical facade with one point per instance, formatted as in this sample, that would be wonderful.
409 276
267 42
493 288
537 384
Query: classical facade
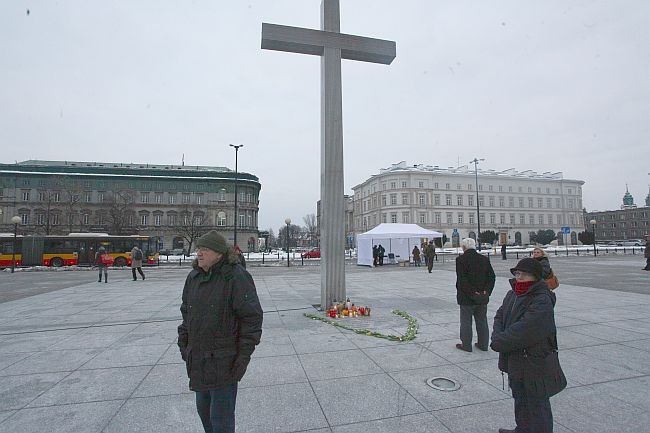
628 222
162 201
512 203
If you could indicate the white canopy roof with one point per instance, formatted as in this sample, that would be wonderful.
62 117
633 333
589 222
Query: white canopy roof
393 230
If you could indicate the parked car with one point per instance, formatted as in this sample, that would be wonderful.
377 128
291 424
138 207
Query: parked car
313 254
630 243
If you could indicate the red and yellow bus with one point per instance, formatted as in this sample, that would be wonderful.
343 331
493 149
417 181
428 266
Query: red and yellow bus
75 249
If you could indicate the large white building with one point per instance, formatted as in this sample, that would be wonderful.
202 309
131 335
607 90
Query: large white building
512 203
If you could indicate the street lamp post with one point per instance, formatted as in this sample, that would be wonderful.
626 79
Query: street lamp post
288 223
236 172
475 161
15 220
593 228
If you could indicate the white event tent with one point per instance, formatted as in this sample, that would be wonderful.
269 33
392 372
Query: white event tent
398 239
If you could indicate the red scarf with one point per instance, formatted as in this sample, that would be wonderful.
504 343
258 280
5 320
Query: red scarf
521 287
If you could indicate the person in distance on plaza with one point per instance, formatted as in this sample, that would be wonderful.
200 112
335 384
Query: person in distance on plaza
136 262
375 256
430 253
646 254
474 284
503 252
240 256
101 261
416 255
380 255
222 324
540 255
524 334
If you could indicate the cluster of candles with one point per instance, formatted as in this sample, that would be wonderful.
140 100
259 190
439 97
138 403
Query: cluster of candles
347 309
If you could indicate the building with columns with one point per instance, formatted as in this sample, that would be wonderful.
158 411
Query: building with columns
512 203
162 201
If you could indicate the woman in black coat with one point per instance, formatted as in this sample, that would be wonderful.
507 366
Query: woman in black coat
524 334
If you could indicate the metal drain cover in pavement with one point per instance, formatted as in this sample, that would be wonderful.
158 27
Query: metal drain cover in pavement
443 384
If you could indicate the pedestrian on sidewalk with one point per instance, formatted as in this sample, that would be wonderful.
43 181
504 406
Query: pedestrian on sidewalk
430 253
646 254
503 252
380 255
136 262
474 283
102 260
375 256
525 336
222 324
416 255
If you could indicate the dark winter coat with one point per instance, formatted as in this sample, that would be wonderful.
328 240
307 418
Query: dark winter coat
222 324
646 254
474 275
430 251
524 334
546 266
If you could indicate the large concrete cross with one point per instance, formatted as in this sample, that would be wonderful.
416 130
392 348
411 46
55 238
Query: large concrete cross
332 46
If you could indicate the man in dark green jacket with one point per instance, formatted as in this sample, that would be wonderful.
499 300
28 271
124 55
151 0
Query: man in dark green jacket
524 334
222 324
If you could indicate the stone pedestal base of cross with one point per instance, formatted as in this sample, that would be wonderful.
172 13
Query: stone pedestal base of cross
332 46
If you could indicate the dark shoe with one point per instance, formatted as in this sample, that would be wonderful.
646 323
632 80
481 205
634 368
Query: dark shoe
505 430
479 348
135 279
143 278
460 347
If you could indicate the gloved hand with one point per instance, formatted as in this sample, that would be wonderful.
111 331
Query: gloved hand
239 366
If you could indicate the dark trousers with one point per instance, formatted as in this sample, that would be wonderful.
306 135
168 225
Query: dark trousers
532 414
139 271
216 409
430 263
103 269
647 263
479 312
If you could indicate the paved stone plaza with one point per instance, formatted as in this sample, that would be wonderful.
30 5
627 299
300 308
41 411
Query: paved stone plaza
95 357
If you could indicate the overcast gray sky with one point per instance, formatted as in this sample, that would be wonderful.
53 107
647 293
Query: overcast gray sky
553 85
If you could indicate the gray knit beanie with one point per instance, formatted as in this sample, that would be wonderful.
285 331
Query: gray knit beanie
214 241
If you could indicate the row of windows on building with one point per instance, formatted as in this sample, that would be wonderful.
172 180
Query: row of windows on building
144 197
624 225
133 185
157 219
621 216
511 219
460 201
623 234
500 188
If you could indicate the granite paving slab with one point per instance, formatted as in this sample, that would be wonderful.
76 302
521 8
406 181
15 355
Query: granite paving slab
51 361
472 389
363 398
93 385
333 365
403 357
585 370
418 423
589 409
278 408
273 370
163 379
161 414
127 356
18 391
82 418
485 417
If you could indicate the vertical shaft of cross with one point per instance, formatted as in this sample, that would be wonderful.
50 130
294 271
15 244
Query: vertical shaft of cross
332 186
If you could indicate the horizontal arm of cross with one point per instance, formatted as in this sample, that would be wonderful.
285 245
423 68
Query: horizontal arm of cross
309 41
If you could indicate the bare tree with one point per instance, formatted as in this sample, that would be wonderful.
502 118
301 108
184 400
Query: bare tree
311 228
192 223
71 191
120 210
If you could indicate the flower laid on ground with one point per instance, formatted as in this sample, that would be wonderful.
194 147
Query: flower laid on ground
411 330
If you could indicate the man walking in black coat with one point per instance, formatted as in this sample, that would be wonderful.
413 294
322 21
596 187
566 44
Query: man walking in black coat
474 283
222 324
524 334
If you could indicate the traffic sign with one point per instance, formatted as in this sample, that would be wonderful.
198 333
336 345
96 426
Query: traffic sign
566 230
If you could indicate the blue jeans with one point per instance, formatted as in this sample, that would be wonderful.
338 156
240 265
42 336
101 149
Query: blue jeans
216 408
532 414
